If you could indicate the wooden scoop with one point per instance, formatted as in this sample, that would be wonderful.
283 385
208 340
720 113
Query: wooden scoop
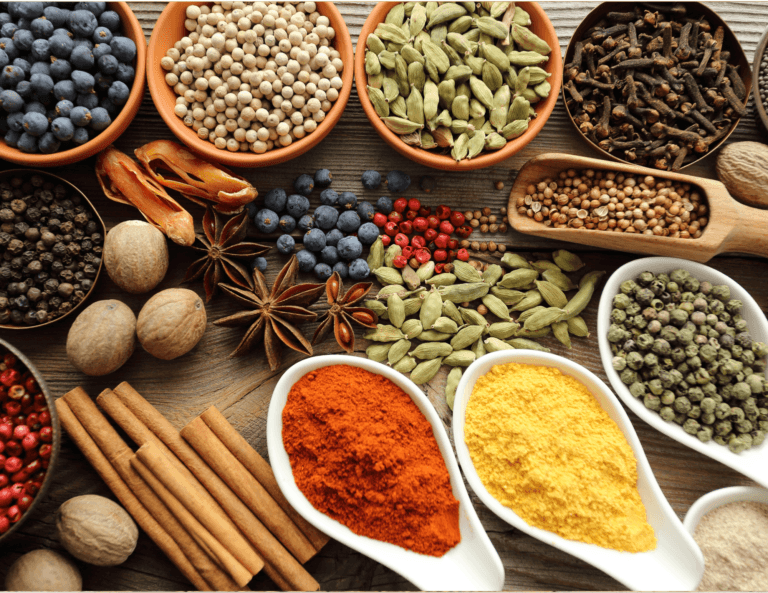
732 227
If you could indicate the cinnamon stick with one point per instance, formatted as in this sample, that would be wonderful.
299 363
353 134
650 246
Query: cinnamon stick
190 523
230 538
152 519
261 470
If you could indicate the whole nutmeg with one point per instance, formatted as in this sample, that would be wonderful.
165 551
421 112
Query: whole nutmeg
171 323
43 570
102 338
135 256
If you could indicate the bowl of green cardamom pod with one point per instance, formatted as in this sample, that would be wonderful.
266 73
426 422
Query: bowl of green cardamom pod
458 85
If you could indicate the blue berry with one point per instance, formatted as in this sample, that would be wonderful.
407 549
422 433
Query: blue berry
359 269
5 18
348 222
42 85
252 209
350 248
102 35
101 49
285 244
304 184
27 143
57 16
61 46
83 81
63 31
63 128
82 58
80 116
60 69
24 65
307 260
306 222
371 179
323 272
365 211
35 123
82 22
24 89
15 120
81 136
36 107
329 197
123 49
100 119
297 205
6 44
11 76
326 217
48 143
347 200
4 59
23 39
398 182
9 30
11 138
333 236
276 199
11 101
41 50
314 240
110 19
367 233
102 82
40 68
90 101
329 255
341 269
266 220
125 73
64 108
42 28
28 10
259 263
287 223
384 205
97 8
118 93
323 178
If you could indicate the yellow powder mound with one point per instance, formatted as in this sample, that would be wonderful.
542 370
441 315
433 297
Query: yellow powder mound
544 447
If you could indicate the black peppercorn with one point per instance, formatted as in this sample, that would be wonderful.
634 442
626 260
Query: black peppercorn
67 227
20 228
32 234
17 317
59 250
91 227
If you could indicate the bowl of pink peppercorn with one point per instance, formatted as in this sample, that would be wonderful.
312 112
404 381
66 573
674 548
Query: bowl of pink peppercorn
29 439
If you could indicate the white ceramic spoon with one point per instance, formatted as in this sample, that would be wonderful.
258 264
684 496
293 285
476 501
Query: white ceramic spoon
472 565
675 565
753 463
717 498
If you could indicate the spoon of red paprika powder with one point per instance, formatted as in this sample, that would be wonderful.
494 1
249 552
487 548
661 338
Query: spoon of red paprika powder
359 451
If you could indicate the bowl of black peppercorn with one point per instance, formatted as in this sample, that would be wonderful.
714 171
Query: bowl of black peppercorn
51 240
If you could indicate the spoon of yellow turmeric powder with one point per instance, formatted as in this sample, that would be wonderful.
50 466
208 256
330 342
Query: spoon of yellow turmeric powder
547 447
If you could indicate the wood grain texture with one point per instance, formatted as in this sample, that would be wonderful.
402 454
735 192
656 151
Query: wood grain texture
241 387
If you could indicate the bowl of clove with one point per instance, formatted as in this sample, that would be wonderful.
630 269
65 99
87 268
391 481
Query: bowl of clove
659 85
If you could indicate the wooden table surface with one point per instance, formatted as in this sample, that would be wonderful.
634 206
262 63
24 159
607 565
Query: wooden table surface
241 387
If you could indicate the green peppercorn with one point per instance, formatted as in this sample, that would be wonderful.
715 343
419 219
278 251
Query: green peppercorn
644 342
652 402
679 276
682 405
667 414
621 301
618 316
691 426
705 434
619 363
707 418
758 436
628 376
721 292
723 427
737 444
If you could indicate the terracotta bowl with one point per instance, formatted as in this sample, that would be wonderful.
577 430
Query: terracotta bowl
542 26
170 28
5 348
131 29
9 173
697 9
759 52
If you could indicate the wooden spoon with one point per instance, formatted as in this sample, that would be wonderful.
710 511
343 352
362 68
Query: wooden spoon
732 227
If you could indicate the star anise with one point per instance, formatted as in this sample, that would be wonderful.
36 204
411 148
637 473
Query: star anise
342 312
223 245
273 314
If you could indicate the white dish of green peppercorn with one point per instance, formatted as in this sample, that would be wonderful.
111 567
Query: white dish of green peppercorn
708 390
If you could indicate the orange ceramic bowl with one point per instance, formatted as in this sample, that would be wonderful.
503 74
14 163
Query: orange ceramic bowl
170 28
131 29
541 26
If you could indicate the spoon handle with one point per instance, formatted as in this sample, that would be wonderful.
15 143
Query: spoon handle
749 233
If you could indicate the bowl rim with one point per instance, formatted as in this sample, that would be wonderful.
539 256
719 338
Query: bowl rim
603 8
760 50
392 556
161 92
744 462
10 172
612 562
445 162
56 443
717 498
132 29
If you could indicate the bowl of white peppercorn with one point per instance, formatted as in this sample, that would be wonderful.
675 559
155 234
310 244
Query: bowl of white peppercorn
250 84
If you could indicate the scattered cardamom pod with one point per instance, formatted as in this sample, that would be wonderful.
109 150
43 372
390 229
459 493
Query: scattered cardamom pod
425 371
411 328
397 351
384 333
378 352
405 365
494 345
451 383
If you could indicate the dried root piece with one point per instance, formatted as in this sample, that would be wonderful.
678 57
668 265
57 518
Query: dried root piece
173 166
122 180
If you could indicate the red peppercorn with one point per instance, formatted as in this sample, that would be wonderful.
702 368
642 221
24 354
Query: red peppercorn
9 360
44 416
442 241
33 421
440 255
400 205
411 215
20 419
433 222
12 465
414 204
400 262
453 244
395 217
40 403
25 502
391 228
5 524
420 224
3 477
418 242
31 487
443 212
6 497
386 240
407 252
16 392
406 227
425 211
464 231
31 385
430 234
379 219
422 256
401 240
46 432
10 377
6 431
20 432
446 227
12 408
13 448
14 514
451 255
31 441
45 451
439 268
457 218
